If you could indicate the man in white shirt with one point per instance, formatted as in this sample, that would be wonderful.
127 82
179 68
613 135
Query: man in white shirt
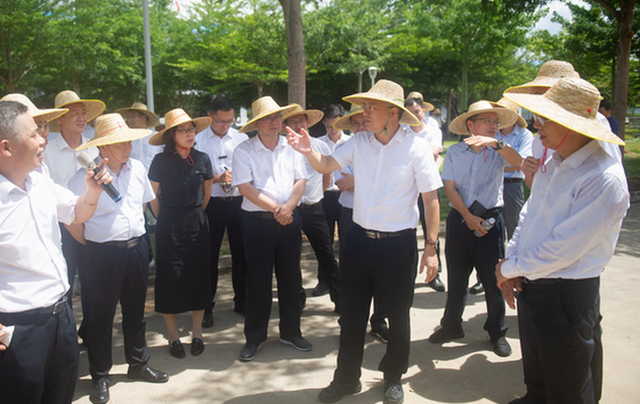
271 177
138 116
567 233
314 220
382 249
224 208
38 345
117 257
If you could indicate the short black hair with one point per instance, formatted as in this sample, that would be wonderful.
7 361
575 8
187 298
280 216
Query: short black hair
411 101
333 111
220 103
606 104
9 126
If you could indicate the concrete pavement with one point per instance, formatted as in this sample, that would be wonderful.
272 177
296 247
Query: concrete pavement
465 371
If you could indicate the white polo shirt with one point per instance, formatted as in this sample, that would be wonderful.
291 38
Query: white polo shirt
271 172
220 151
118 221
61 159
332 146
388 179
314 193
33 272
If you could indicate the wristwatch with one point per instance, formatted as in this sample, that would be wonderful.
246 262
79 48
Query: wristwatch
434 243
499 145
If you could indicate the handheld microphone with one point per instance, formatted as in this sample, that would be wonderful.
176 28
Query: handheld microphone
87 162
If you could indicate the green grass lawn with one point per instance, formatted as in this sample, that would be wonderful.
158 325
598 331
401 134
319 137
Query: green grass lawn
632 156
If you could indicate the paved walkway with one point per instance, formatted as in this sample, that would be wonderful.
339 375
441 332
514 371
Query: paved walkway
466 371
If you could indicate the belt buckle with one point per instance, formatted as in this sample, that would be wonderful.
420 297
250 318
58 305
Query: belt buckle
132 243
372 234
59 306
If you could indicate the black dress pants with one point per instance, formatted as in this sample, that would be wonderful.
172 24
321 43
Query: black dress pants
388 267
73 253
314 225
333 211
560 338
225 213
41 363
267 244
116 274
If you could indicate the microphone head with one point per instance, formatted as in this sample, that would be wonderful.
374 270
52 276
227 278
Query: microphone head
85 160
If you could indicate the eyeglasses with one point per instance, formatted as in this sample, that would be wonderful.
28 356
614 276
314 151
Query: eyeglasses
541 120
43 127
222 123
270 119
186 131
370 107
488 121
297 121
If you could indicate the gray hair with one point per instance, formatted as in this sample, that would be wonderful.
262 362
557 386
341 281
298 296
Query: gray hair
10 128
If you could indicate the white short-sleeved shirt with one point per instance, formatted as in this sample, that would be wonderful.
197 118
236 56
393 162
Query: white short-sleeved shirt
61 159
220 151
118 221
314 193
33 272
433 135
346 197
332 146
144 152
520 140
273 173
388 179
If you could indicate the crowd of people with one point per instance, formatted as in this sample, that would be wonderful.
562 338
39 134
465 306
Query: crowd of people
81 203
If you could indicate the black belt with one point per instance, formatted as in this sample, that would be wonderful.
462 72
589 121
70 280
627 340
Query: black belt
122 244
553 281
261 215
384 234
332 192
512 180
227 198
54 309
308 205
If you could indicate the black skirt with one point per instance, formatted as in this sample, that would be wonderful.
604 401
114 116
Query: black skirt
183 259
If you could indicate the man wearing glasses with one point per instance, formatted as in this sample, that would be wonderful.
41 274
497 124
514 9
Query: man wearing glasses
473 181
224 212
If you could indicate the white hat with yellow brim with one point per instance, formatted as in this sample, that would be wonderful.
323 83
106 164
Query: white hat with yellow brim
152 119
93 107
548 75
313 115
46 114
111 129
572 103
389 92
262 108
177 117
344 123
506 103
506 117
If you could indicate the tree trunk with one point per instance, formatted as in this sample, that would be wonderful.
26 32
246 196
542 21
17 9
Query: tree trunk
623 53
296 56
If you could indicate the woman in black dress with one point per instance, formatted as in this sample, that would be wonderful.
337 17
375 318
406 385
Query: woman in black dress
182 178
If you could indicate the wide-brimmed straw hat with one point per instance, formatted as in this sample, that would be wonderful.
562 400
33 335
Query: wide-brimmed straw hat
263 107
177 117
549 73
506 117
313 115
344 123
504 102
112 129
572 103
152 119
64 98
46 114
389 92
416 95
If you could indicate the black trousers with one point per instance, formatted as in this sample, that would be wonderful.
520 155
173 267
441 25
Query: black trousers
314 225
423 221
41 363
346 223
333 210
116 274
388 267
73 253
226 214
464 251
513 202
560 338
268 244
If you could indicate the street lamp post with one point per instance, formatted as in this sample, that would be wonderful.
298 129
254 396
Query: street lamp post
373 72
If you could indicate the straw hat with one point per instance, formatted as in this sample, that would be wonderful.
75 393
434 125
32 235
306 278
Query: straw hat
549 73
504 102
506 116
111 129
93 107
344 123
313 115
572 103
389 92
263 107
177 117
152 119
46 114
416 95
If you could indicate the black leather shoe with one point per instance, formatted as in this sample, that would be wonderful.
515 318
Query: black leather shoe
477 288
382 333
335 391
248 352
197 346
99 393
500 346
147 374
176 349
320 290
393 393
298 343
521 400
445 334
207 320
436 284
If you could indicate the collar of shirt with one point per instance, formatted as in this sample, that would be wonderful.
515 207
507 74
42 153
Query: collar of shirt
578 157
